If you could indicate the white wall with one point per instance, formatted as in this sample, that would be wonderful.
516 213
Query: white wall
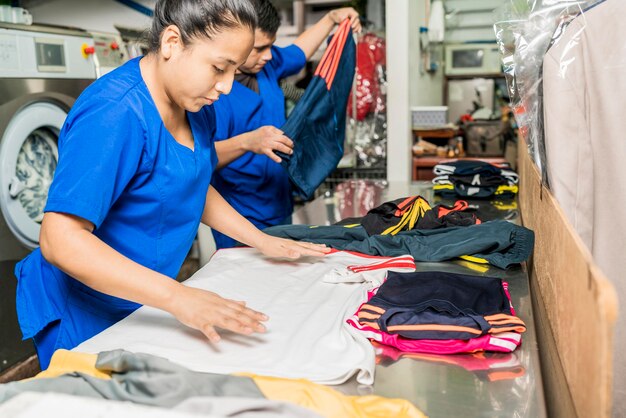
407 84
426 88
398 24
95 15
473 20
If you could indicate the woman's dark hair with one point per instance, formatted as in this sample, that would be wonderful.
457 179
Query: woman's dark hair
268 20
199 18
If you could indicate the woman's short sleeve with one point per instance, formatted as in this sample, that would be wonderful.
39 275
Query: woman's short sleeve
100 150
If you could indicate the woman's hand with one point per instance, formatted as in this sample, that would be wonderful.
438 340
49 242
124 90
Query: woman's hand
266 140
339 15
285 248
204 310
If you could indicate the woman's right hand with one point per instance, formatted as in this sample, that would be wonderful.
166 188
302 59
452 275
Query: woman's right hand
266 140
204 310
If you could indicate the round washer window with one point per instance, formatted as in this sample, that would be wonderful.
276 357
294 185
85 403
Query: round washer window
28 158
36 162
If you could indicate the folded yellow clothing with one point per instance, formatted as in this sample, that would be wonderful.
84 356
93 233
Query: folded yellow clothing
321 399
64 362
330 403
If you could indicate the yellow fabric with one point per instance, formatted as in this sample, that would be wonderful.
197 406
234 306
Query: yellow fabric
410 217
508 205
474 259
480 268
64 362
500 190
506 189
331 403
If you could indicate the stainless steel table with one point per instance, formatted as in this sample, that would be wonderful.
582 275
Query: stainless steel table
461 385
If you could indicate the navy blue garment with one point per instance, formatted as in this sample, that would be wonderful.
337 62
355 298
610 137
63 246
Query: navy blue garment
472 167
501 243
317 125
440 306
485 179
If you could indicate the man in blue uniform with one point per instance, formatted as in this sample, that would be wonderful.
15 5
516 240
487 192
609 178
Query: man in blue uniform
249 174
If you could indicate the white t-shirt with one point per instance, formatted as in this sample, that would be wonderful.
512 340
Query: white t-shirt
307 336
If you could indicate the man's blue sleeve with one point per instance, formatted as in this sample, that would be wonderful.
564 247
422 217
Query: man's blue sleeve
287 61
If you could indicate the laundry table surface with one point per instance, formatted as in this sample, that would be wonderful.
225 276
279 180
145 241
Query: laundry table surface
460 385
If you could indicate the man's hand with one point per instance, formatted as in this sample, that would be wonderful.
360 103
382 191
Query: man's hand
268 139
339 15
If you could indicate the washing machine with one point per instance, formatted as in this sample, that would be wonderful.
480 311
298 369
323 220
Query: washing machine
43 69
109 52
134 41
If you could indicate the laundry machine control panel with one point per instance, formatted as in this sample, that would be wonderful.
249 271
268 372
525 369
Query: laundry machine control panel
33 54
108 52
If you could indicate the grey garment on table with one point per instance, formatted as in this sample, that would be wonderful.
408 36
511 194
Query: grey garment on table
139 378
37 404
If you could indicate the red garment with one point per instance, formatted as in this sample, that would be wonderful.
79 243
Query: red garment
370 56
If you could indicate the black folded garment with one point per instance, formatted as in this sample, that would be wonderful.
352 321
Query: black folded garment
412 212
477 179
436 305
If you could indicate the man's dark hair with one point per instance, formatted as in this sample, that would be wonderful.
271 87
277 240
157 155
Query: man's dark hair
199 18
268 20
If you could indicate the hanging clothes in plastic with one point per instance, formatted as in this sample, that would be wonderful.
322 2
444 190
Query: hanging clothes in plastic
317 124
371 56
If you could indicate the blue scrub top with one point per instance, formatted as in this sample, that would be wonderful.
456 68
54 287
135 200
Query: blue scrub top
120 169
257 187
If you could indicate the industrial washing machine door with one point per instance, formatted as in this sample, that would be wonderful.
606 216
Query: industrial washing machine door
28 159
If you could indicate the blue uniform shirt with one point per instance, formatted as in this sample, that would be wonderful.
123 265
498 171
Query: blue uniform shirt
257 187
120 169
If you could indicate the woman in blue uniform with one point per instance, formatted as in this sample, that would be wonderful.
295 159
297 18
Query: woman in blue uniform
131 187
249 174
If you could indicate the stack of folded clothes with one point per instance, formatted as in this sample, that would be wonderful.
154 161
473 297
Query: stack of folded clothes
473 178
438 312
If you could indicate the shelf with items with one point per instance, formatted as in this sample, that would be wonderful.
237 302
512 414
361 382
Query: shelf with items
442 142
423 166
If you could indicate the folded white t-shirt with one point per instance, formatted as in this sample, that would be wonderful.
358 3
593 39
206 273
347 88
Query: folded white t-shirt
307 336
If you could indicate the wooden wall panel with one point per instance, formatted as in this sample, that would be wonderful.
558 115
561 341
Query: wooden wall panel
577 303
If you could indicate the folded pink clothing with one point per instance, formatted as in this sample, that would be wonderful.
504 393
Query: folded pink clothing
504 342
